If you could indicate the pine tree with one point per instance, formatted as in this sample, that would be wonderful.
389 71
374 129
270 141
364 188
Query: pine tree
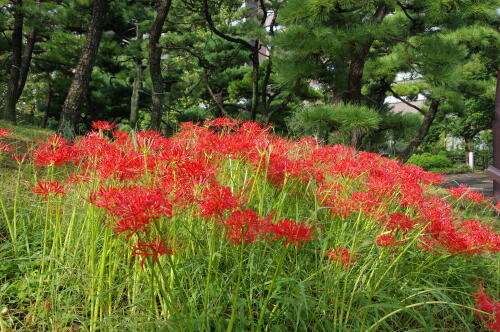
350 48
81 79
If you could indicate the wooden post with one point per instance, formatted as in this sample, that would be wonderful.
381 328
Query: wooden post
494 171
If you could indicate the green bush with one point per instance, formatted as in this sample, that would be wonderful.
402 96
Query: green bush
455 169
429 161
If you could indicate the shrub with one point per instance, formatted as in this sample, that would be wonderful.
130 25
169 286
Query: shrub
343 118
429 161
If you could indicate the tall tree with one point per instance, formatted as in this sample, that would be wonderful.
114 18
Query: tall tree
155 63
259 24
20 60
137 84
78 89
350 50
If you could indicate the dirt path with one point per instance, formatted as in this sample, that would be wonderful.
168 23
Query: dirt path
476 181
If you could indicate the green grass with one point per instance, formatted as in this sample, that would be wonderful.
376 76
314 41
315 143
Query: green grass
22 138
25 134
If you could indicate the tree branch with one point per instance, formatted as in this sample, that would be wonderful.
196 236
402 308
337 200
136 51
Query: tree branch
212 27
214 97
404 9
264 10
421 111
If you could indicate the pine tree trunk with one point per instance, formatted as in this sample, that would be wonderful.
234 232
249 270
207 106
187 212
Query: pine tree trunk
26 59
45 118
265 101
79 86
356 137
26 62
355 76
9 112
255 82
356 70
136 87
357 66
155 64
422 131
253 11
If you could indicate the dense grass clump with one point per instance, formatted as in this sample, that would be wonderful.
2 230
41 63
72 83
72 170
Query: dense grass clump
228 227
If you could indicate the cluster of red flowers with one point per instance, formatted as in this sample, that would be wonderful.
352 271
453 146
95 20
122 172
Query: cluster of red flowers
246 227
340 255
4 133
155 177
388 240
216 200
464 192
486 304
155 247
103 125
55 151
134 208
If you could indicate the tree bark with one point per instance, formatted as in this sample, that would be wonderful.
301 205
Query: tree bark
9 113
356 137
356 69
255 81
26 59
134 99
422 131
357 66
45 118
136 86
155 64
79 86
266 104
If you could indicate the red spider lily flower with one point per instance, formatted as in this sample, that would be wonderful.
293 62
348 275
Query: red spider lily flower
399 221
156 247
5 133
123 165
340 255
5 147
121 134
498 205
216 200
133 207
223 123
103 125
464 191
484 303
78 178
245 226
292 232
55 151
45 188
477 237
19 157
388 240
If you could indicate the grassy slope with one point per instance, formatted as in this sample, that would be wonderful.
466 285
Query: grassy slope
66 290
22 138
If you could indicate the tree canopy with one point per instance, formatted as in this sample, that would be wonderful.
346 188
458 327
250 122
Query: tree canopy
296 63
